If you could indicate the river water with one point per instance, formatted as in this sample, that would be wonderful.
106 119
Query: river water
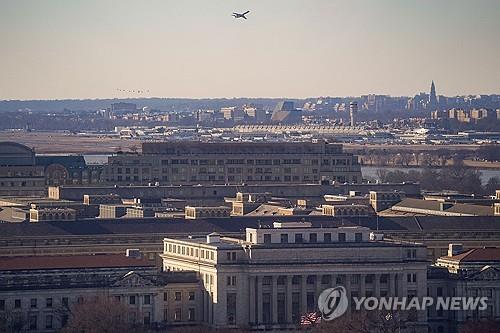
371 172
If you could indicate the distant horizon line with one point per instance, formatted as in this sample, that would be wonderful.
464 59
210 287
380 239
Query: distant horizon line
233 98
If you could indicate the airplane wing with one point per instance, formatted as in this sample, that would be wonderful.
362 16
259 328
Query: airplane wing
246 12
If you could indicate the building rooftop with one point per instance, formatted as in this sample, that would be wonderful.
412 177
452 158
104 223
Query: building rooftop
237 224
478 254
431 206
72 262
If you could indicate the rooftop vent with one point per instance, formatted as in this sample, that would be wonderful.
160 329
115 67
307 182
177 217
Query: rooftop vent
454 249
213 238
376 236
133 253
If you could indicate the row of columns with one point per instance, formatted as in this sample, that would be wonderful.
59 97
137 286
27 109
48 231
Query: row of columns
396 286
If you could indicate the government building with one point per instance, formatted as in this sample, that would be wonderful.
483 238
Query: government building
38 294
273 276
192 163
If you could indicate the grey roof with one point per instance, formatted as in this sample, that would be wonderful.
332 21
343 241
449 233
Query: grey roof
238 224
68 161
433 205
91 279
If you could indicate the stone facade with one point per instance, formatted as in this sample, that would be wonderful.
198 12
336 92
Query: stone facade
271 278
233 163
472 273
39 299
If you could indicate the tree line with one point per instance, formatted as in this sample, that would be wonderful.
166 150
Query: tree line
453 178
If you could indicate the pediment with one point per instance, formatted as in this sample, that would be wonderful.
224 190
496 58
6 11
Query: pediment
487 273
133 280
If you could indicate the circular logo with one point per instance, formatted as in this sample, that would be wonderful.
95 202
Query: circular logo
333 303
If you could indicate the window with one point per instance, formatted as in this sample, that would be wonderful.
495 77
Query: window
191 296
65 301
177 315
231 256
33 303
178 296
231 306
267 238
48 302
165 296
267 280
342 237
358 237
281 280
313 238
298 238
147 299
191 314
327 238
165 314
147 318
131 300
33 322
2 304
284 238
48 321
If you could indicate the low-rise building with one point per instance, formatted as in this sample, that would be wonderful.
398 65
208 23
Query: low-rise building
381 200
465 274
38 214
346 210
101 199
206 212
38 293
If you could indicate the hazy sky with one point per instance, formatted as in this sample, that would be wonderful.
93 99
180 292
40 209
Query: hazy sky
287 48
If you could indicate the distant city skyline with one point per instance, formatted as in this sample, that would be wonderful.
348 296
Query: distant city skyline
286 48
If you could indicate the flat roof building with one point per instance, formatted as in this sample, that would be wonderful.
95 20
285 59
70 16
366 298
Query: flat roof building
192 163
43 291
273 276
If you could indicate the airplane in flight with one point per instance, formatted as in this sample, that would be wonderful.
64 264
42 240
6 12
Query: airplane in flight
237 15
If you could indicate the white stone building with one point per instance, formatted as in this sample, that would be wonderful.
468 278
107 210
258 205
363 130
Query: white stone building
271 278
